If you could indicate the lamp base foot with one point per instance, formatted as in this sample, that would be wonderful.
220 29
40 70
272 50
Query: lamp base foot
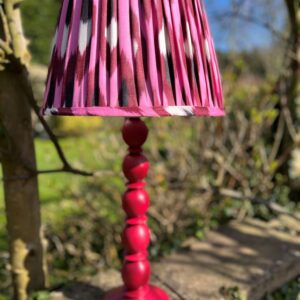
151 293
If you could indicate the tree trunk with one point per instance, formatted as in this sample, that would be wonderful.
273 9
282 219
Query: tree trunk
17 156
20 186
293 82
293 8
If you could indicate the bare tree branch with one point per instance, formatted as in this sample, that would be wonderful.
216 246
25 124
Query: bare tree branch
224 192
253 20
268 203
66 165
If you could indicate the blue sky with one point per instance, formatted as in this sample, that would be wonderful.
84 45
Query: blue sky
236 34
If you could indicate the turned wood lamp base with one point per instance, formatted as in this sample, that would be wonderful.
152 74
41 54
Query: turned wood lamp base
136 235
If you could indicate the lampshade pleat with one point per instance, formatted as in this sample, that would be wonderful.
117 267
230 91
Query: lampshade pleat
133 58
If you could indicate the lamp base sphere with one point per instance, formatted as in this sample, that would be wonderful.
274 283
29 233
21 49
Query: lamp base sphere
152 293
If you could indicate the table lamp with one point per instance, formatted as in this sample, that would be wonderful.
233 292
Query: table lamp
134 58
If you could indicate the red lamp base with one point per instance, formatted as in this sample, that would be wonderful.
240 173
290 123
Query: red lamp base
136 234
151 293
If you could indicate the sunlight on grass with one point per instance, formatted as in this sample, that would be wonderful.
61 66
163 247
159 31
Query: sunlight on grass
87 152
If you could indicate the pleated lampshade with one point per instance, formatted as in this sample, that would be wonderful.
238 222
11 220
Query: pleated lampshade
133 58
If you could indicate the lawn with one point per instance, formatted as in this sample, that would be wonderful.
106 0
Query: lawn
85 152
61 193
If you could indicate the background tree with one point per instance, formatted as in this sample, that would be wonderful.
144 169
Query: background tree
39 21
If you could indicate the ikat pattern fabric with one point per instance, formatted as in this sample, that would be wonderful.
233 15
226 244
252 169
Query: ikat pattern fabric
133 58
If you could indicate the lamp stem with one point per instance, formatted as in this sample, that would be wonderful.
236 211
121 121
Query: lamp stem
136 234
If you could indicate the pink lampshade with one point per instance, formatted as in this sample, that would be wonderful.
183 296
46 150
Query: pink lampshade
133 58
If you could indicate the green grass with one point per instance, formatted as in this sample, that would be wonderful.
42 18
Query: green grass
99 150
60 193
55 188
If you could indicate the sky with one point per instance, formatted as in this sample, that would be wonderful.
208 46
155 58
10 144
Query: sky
236 34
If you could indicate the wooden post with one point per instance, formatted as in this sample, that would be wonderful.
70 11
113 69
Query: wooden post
17 157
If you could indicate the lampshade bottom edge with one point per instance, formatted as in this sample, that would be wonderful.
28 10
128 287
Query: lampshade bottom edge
183 111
